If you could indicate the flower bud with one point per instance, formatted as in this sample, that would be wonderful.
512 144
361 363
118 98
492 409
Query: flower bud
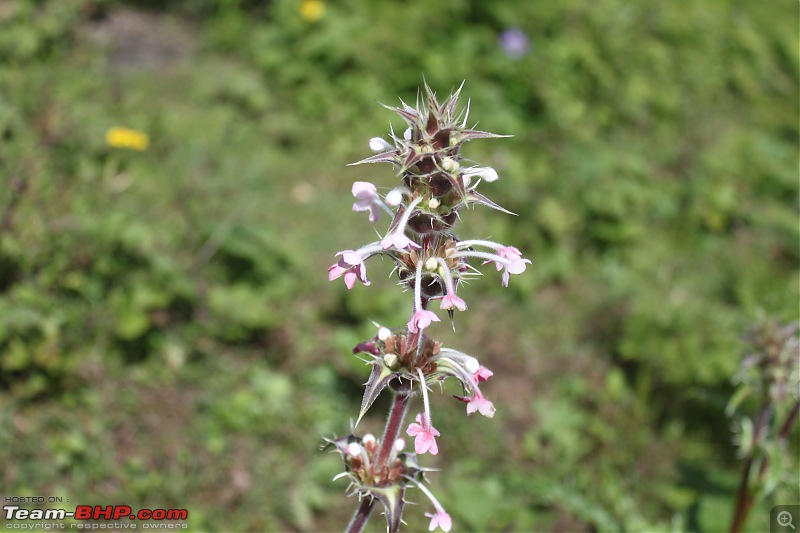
449 164
390 360
353 449
433 203
377 144
431 264
399 445
369 439
394 197
384 333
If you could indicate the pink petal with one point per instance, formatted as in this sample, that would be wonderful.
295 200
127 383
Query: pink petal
335 272
364 190
483 374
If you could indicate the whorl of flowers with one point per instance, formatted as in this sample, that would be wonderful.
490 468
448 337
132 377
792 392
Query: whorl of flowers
431 262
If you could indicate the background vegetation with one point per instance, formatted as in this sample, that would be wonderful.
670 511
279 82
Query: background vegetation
168 336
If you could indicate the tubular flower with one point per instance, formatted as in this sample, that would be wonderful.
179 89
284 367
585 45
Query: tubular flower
421 318
351 273
425 435
477 401
508 259
367 199
398 238
423 429
439 518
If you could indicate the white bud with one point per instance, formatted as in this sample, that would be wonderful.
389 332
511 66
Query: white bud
394 197
449 164
431 264
471 364
368 439
377 144
399 444
353 449
390 359
384 333
433 203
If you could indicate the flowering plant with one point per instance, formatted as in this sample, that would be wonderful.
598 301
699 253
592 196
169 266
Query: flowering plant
432 263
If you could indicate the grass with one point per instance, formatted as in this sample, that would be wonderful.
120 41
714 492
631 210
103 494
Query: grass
168 337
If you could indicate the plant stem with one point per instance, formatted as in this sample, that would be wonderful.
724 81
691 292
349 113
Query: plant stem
393 423
390 433
787 425
361 516
744 497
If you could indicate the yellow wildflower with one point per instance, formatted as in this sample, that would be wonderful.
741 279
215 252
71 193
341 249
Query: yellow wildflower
312 10
127 138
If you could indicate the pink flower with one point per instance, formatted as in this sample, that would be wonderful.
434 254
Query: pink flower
509 252
440 519
367 199
477 402
421 319
425 436
351 266
483 374
451 300
399 241
515 264
350 273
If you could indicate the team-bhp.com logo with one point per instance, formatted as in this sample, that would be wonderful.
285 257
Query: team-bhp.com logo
94 512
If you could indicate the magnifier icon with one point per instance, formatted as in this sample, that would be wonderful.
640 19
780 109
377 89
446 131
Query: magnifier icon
785 519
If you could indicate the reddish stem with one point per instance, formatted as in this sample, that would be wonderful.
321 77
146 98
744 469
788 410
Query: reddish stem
361 516
744 497
393 424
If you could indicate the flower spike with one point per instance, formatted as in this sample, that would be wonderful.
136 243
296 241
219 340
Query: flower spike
434 186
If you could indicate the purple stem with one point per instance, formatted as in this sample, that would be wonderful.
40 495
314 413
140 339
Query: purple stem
361 516
393 424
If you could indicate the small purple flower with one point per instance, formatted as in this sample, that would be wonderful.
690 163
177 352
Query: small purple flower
514 43
367 199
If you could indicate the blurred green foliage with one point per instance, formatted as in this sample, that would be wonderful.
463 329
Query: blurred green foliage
167 334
